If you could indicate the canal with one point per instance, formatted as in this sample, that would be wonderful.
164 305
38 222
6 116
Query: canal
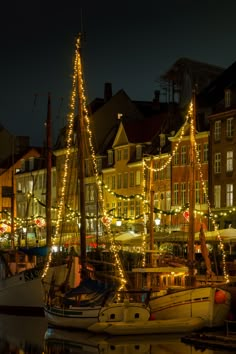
31 335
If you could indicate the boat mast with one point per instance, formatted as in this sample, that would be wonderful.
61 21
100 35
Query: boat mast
191 249
49 168
81 155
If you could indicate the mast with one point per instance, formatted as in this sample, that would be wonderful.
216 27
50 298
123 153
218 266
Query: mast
191 250
49 168
81 156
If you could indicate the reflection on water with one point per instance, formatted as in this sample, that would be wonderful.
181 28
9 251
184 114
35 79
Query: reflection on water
30 335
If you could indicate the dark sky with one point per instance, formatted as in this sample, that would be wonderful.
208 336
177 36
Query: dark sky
128 43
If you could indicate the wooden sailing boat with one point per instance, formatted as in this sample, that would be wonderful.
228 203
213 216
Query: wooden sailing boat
210 303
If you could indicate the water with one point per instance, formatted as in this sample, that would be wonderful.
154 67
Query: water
30 335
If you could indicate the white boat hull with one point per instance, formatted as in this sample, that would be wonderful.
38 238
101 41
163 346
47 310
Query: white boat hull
209 303
74 317
22 294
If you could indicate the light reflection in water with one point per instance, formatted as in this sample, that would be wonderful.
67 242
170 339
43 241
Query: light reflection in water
30 335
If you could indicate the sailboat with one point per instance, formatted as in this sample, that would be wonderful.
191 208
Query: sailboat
77 306
211 303
21 292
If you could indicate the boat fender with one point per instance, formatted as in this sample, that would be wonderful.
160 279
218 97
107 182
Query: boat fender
220 297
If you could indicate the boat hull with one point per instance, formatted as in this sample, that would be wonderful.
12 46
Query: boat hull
72 318
22 294
209 303
174 326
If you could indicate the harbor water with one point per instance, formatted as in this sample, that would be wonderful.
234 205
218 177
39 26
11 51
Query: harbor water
31 335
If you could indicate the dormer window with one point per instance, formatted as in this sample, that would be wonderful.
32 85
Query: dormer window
138 152
110 157
227 98
118 155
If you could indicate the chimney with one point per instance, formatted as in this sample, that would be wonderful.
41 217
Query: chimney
107 91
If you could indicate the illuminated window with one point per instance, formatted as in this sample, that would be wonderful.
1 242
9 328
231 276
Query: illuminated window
125 209
229 128
217 131
227 98
229 161
217 196
176 193
110 157
138 152
131 208
217 162
205 152
229 195
137 208
138 178
118 154
183 155
183 193
176 158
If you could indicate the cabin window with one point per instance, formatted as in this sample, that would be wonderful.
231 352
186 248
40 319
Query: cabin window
217 196
227 98
229 195
229 161
110 157
229 128
217 162
205 152
217 131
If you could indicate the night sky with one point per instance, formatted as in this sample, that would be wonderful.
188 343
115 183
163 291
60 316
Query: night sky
128 43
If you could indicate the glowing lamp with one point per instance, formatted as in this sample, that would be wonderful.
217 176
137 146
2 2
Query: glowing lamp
220 297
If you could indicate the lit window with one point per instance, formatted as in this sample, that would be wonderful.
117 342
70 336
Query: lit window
118 154
229 195
183 155
176 193
229 161
183 193
138 152
217 163
217 196
229 128
217 132
205 152
138 178
110 157
227 98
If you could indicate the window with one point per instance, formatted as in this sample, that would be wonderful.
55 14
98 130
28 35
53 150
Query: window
229 128
126 154
168 200
131 179
118 154
217 196
138 178
138 152
99 165
113 182
137 208
205 152
7 192
176 158
183 193
125 209
110 157
119 180
176 193
229 195
119 209
131 208
125 180
217 163
183 155
217 131
229 161
227 98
